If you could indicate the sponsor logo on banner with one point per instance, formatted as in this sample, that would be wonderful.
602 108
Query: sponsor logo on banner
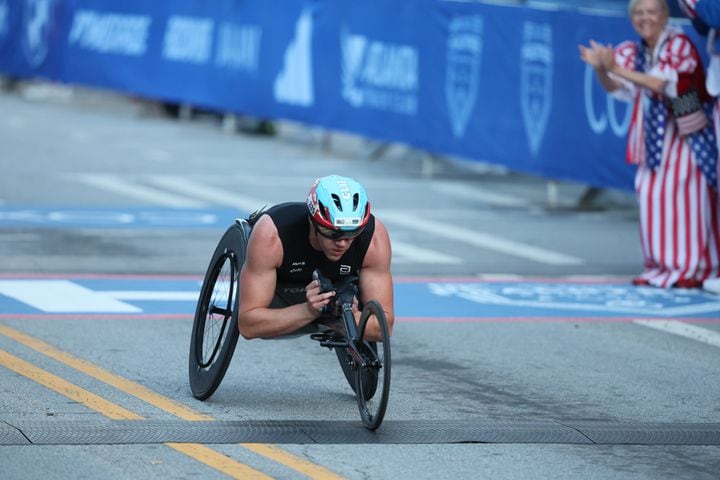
238 47
4 20
464 52
110 32
38 24
188 39
379 75
294 83
536 81
600 120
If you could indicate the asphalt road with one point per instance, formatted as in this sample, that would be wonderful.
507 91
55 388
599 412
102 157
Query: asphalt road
520 351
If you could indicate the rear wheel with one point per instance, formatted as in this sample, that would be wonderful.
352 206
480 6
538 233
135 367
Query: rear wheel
215 330
372 381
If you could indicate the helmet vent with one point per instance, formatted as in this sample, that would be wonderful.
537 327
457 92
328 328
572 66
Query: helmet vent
356 201
336 199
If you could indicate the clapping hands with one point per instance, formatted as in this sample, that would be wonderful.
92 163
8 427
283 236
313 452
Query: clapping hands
600 57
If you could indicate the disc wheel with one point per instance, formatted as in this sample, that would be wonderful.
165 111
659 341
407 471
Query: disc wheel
215 331
375 374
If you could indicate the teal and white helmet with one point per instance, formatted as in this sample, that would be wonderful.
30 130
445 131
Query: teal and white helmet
338 206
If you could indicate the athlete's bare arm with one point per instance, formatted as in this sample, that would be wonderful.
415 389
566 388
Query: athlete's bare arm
376 279
257 286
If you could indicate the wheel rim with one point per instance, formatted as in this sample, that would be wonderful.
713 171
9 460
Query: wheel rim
217 312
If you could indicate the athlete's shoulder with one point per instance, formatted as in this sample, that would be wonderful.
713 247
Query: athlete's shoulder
287 207
379 251
265 246
264 228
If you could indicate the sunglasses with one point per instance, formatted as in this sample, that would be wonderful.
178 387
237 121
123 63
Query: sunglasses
335 234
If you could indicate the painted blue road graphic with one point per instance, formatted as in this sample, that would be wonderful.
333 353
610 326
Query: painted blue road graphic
116 217
446 299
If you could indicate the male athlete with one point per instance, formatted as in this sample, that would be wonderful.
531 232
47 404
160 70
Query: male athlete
332 231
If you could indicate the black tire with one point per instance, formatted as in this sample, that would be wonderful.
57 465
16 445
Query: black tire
369 381
215 330
372 405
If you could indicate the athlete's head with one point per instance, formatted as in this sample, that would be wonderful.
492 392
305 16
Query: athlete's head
338 207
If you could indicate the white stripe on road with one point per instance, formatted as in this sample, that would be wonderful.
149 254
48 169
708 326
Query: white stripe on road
62 296
210 194
402 252
249 204
115 184
479 239
684 330
152 295
478 194
406 253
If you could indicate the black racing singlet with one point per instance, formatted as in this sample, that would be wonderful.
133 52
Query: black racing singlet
300 258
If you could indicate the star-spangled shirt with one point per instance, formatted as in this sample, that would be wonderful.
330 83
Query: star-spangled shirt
677 56
655 115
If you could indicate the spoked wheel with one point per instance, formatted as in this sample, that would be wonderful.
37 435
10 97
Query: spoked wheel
215 331
373 380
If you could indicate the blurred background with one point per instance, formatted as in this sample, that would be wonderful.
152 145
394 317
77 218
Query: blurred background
481 82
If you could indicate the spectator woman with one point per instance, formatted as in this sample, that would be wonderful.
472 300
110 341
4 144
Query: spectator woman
705 17
672 141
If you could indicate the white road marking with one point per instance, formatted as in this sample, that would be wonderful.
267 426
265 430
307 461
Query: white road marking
115 184
478 194
479 239
153 295
157 155
210 194
683 330
406 253
249 204
403 252
62 296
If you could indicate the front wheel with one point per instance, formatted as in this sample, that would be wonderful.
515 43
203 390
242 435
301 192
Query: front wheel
215 330
375 373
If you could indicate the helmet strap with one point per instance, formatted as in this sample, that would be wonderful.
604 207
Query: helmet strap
313 227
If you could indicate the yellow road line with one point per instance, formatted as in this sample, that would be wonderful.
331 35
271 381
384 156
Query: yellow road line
286 458
63 387
218 461
276 454
128 386
111 410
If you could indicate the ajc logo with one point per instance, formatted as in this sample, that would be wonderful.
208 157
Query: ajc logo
379 75
599 123
37 27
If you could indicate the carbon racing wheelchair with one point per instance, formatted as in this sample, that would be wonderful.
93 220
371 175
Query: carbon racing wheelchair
365 364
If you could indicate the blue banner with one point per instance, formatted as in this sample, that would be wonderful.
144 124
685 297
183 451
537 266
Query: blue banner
500 84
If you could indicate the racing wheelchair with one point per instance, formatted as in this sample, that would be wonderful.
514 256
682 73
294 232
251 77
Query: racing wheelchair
365 364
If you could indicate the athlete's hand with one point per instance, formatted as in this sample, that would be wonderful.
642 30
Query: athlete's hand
315 299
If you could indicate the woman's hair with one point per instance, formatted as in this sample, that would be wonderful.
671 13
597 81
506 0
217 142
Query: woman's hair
661 3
